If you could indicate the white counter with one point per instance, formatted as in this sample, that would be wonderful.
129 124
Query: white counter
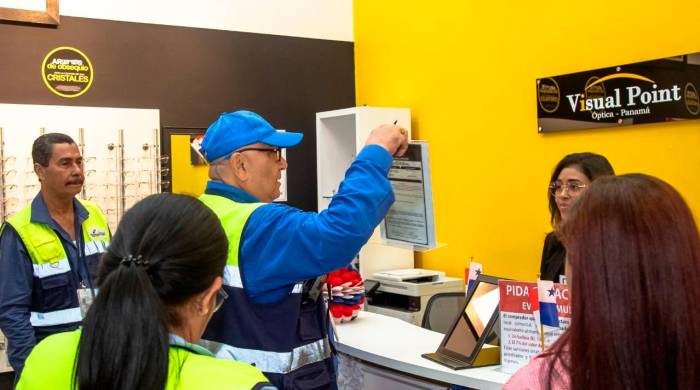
392 343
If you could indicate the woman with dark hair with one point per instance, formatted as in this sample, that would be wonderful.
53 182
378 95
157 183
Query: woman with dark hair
633 256
159 284
570 178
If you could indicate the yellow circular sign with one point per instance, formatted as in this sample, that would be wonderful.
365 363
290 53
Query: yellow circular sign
692 99
67 72
548 94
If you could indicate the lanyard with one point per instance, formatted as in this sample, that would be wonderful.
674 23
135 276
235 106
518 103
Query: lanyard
82 262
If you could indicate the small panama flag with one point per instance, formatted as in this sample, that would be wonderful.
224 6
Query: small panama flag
548 303
534 300
474 272
535 306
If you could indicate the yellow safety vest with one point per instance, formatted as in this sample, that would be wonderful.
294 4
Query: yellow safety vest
49 258
233 217
51 366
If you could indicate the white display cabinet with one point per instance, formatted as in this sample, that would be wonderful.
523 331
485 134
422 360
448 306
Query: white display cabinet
120 148
340 135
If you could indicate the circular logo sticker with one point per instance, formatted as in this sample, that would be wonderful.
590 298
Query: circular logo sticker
548 94
692 100
67 72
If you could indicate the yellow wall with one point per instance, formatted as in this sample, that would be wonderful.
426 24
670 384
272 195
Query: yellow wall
467 69
187 178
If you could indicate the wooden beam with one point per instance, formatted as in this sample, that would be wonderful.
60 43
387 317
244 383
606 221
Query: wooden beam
48 17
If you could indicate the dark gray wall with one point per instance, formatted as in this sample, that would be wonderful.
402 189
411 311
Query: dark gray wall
192 75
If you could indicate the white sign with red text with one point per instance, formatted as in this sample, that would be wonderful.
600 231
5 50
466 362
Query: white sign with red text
521 333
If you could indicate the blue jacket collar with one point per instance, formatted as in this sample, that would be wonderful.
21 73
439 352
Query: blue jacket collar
40 213
215 187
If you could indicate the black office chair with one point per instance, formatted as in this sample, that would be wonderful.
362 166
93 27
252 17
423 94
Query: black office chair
441 311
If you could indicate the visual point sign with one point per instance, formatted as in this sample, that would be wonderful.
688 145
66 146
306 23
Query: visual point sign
67 72
646 92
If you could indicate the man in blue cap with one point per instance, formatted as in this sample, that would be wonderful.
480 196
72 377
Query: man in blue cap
270 320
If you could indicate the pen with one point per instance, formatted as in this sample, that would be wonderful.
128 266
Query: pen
396 121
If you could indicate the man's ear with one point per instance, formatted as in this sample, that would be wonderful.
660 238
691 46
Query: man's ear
240 166
40 171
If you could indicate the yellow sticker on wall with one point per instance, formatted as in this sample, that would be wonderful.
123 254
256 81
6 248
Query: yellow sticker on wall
67 72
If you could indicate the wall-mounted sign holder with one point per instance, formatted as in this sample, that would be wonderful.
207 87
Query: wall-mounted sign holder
661 90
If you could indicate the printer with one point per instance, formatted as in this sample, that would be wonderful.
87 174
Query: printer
404 293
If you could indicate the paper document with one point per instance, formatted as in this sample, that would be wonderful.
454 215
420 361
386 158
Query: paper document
410 219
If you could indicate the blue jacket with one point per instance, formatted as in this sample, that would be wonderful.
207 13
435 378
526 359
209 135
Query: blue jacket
17 284
282 245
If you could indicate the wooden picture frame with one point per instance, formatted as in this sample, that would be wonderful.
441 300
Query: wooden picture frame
48 17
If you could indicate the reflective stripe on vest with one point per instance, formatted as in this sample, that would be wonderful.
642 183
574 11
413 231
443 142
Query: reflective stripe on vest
273 362
94 247
57 317
49 269
232 278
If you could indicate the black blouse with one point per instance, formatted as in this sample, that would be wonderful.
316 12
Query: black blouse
553 256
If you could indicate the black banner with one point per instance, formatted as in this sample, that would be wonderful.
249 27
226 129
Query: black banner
644 92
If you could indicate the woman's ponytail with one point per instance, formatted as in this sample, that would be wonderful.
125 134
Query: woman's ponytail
124 342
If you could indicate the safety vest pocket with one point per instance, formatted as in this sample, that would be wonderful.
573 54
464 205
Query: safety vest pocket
57 291
47 248
310 324
313 376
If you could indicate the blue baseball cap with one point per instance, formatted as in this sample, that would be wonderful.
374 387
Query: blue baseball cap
234 130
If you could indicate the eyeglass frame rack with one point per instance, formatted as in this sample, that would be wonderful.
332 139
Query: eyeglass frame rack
157 169
121 177
120 163
3 192
154 155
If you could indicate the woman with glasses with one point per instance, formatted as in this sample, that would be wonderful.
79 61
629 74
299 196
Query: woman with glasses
159 284
634 266
570 178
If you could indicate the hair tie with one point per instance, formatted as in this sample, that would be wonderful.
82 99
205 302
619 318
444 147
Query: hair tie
136 260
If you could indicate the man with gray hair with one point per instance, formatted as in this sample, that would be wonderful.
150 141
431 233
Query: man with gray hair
271 320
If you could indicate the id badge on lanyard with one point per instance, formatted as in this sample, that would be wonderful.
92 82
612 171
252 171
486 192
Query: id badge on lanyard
85 298
86 293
